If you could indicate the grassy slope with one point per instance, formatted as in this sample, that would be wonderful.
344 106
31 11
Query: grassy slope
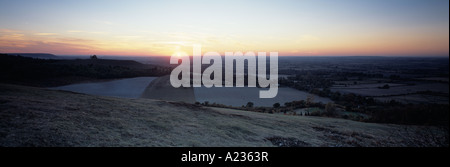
39 117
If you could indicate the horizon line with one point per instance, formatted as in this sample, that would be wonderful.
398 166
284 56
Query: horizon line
430 56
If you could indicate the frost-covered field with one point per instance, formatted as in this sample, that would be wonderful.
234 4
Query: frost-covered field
128 88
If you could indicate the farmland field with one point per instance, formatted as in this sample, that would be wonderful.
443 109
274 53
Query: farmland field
411 92
240 96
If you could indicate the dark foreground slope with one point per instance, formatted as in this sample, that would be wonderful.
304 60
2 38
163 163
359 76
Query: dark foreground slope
40 117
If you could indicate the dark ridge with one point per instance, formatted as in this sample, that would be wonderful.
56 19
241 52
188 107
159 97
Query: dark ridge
36 55
51 72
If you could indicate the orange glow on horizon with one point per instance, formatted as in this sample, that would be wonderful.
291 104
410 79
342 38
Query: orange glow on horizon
13 41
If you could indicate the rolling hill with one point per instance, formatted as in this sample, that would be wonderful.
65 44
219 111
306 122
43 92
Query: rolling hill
49 72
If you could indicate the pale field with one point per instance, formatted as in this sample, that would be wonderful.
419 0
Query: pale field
241 96
128 88
160 88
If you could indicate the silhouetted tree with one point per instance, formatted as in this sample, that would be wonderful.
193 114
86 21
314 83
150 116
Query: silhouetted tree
249 105
288 104
330 109
309 100
386 86
276 105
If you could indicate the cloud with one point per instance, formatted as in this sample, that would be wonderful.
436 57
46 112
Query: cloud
90 32
104 22
12 39
8 31
45 34
74 31
98 32
74 40
129 37
171 43
107 22
309 38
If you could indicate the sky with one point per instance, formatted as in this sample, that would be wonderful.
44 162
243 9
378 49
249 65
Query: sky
162 28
